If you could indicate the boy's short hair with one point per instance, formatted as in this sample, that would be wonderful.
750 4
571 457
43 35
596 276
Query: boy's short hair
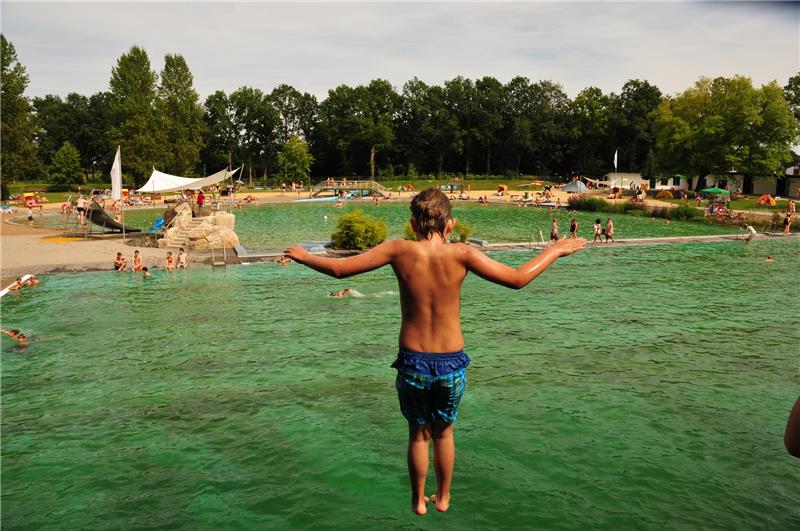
431 211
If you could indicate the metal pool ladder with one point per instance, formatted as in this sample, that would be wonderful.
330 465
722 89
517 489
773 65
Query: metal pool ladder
224 262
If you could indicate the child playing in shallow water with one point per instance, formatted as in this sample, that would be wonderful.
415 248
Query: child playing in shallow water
431 363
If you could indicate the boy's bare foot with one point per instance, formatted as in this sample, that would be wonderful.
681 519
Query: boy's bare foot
442 503
420 508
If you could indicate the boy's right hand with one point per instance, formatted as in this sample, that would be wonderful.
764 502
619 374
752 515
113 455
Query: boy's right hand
567 246
296 253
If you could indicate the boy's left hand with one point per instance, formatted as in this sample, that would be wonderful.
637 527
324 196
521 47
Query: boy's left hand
567 246
296 253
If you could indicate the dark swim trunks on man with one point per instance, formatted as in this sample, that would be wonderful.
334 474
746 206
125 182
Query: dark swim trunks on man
430 385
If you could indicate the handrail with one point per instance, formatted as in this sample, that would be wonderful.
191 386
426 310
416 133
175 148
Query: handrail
357 184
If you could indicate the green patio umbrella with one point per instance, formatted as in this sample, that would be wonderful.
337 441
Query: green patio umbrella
715 190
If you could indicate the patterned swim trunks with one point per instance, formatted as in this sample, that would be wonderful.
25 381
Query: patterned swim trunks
430 385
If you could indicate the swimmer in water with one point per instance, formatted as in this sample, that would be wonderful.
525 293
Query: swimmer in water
283 260
770 259
16 335
343 293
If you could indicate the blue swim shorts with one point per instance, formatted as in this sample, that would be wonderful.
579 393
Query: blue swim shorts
430 385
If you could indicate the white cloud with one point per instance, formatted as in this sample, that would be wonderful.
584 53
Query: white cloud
315 47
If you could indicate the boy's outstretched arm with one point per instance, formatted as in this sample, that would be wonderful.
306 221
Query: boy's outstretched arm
345 267
518 278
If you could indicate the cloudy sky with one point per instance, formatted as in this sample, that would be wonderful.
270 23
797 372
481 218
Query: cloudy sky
71 47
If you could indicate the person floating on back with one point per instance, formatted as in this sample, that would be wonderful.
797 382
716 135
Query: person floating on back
431 363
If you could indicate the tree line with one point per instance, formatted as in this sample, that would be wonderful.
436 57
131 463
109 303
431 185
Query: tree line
463 126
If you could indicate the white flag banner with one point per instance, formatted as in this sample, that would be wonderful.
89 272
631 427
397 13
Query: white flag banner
116 178
615 159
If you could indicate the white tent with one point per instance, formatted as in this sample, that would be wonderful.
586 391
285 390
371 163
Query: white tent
163 182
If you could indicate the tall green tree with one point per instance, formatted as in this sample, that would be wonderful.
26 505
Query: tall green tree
631 124
488 119
181 116
517 133
591 110
61 120
65 169
335 133
99 150
461 100
18 157
650 167
294 159
358 123
550 112
55 125
428 132
375 111
135 125
725 124
220 132
297 112
256 123
791 92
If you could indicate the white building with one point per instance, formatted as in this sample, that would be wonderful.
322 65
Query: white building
625 180
761 185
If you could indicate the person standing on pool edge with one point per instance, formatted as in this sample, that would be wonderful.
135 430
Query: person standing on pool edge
431 363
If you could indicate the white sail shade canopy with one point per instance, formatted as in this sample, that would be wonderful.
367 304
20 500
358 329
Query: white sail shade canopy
160 182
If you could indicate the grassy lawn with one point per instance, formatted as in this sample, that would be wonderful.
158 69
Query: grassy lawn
744 203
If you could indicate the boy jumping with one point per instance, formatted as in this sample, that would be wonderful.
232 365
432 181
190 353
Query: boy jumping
431 364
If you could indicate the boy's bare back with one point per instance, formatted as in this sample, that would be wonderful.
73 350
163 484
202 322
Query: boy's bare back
430 273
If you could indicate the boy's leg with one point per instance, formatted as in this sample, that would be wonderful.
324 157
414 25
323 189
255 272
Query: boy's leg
419 438
444 457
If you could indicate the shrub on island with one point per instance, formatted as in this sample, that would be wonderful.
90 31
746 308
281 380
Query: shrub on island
461 232
357 230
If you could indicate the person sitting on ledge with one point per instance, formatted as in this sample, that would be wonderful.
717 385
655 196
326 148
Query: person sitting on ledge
120 263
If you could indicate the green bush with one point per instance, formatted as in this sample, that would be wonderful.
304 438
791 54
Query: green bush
65 170
4 191
461 231
631 208
685 212
356 230
588 204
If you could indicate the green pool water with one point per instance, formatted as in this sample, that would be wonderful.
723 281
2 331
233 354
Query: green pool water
626 388
272 226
